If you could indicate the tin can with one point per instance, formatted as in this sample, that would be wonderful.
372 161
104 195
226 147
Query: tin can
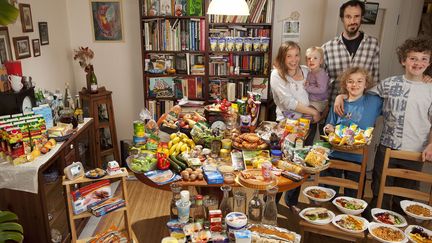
266 170
139 128
226 144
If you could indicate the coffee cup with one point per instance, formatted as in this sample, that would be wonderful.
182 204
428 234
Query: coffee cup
15 82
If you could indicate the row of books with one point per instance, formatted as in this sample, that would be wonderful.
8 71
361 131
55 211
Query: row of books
159 107
174 34
248 65
174 87
260 12
172 7
236 89
240 31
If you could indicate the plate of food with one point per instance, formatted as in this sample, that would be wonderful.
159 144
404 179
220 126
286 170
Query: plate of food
416 210
350 205
254 179
95 173
388 217
320 216
350 223
386 233
319 193
266 233
418 234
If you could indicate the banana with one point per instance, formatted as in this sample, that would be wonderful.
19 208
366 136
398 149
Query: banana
178 147
170 144
184 147
184 136
176 140
173 148
173 135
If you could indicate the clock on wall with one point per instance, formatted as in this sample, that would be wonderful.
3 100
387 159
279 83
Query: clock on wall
12 103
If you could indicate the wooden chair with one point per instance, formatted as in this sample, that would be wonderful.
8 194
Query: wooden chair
330 229
405 174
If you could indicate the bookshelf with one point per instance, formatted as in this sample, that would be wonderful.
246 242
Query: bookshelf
188 53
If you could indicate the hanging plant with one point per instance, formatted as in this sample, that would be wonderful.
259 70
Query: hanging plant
8 13
9 229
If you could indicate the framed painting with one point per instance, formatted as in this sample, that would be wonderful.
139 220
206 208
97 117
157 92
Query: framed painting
371 13
36 47
5 45
43 33
26 17
107 20
22 47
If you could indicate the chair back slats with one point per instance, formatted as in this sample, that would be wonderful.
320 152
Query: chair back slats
409 174
343 165
336 181
408 193
405 174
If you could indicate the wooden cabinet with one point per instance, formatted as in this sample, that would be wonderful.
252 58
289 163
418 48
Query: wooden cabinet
197 48
99 106
44 213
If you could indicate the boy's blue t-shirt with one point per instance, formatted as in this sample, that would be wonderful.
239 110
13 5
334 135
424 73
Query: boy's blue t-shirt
363 112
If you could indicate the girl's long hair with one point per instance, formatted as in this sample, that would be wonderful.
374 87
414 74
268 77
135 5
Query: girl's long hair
279 62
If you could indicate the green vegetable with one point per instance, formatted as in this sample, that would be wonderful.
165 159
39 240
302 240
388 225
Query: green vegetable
174 166
181 164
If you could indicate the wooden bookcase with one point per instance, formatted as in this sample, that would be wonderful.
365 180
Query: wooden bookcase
72 217
256 63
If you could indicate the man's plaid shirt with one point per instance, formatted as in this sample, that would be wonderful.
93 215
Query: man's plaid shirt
337 59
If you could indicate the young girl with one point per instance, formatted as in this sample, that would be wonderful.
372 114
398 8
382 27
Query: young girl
317 80
359 108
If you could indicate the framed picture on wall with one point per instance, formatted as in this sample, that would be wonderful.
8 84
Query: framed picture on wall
22 47
26 17
43 33
371 13
107 22
36 47
5 45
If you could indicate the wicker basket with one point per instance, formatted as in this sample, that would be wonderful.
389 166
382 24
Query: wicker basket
315 170
346 147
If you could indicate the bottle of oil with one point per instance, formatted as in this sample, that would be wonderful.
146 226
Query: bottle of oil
79 114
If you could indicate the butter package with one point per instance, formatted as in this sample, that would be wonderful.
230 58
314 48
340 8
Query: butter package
213 176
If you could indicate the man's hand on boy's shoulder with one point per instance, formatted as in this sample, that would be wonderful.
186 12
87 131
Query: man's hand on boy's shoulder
427 79
427 153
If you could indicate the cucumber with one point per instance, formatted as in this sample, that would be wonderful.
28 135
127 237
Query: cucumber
174 166
178 162
181 159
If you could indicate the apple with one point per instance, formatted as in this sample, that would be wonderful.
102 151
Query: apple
183 124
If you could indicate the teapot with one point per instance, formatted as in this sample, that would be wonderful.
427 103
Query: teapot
15 82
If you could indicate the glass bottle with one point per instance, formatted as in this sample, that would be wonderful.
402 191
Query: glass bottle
226 205
79 113
255 209
240 202
175 188
67 113
199 212
183 206
93 82
270 209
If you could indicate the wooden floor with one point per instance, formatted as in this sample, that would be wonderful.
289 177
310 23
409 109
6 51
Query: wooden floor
149 210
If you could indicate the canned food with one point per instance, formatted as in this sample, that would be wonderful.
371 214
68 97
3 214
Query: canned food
139 128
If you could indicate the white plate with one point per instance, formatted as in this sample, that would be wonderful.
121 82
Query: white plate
340 216
350 211
375 225
330 192
319 221
405 203
410 227
379 210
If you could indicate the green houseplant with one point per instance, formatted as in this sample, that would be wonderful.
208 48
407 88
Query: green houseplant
8 13
9 229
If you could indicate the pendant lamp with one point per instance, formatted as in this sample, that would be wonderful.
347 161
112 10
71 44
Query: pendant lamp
228 7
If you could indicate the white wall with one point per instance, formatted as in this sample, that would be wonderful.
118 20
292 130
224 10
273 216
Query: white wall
52 69
117 65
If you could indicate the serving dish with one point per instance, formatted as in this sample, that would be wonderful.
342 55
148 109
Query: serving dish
425 211
314 193
418 234
386 233
350 205
315 213
96 173
350 223
388 217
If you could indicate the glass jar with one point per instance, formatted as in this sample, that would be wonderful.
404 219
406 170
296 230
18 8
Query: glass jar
240 202
175 188
270 209
255 209
226 205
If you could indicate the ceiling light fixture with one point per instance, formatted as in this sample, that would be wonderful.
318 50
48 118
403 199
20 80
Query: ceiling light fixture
228 7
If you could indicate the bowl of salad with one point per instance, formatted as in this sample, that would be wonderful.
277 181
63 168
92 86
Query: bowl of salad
350 205
388 217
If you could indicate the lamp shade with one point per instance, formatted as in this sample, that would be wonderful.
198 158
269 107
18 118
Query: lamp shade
228 7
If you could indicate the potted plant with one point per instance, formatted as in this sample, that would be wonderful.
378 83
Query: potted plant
84 55
8 13
9 229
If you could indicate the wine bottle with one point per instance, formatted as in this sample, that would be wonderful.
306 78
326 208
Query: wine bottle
93 83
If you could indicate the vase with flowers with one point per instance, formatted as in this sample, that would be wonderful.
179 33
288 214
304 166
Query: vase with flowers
84 55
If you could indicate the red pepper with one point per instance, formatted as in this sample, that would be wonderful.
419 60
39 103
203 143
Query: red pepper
162 161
